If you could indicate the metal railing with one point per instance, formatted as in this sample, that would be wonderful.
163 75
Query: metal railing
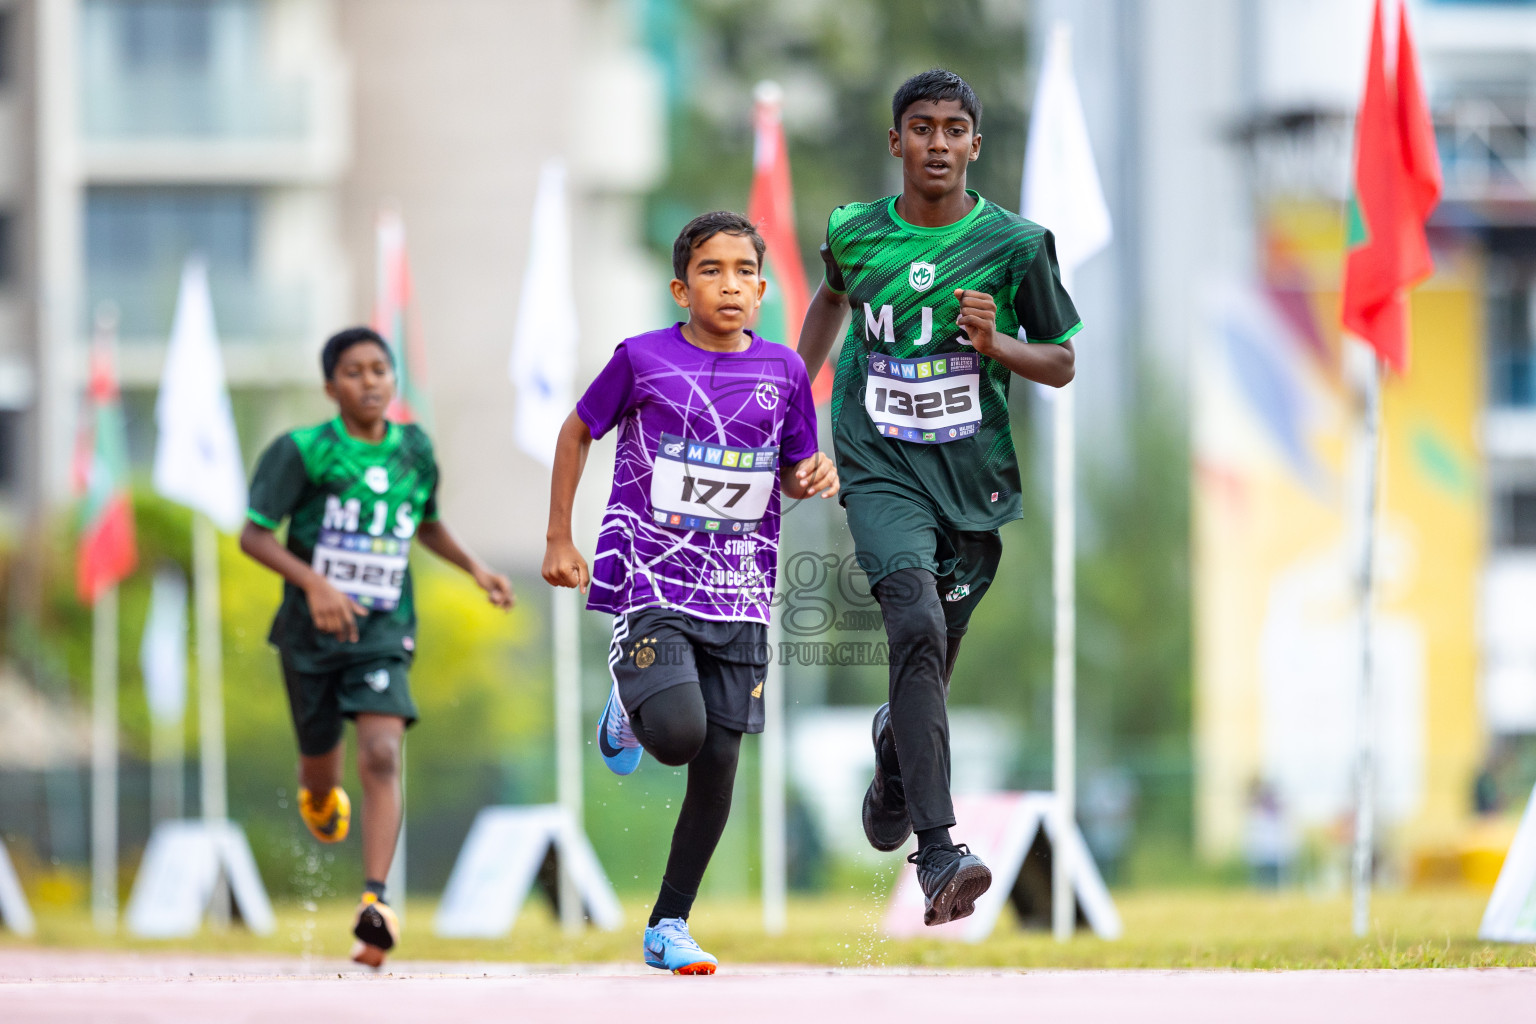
1488 147
244 308
193 107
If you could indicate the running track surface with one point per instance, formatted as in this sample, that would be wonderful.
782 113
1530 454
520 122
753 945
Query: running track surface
48 986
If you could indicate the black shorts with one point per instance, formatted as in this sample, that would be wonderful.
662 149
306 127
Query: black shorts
322 701
654 649
891 533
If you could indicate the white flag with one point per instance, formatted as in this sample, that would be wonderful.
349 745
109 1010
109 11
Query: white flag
163 653
1061 184
197 455
543 364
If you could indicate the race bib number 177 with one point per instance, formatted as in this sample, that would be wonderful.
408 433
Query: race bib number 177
930 401
696 485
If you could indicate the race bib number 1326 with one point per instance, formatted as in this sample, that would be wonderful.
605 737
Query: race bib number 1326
930 401
371 570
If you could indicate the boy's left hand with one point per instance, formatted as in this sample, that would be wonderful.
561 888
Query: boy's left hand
496 586
978 318
816 475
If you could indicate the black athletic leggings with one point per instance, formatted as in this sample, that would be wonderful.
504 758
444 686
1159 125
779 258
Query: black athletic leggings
923 656
672 727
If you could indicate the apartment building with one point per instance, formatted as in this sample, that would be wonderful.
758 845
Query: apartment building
267 135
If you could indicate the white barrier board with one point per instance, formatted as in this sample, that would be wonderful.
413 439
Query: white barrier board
500 862
13 902
180 873
1511 913
1000 828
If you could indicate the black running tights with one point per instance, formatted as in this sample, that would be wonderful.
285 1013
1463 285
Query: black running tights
673 728
922 660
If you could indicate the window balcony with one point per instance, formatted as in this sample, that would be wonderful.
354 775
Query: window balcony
190 90
244 307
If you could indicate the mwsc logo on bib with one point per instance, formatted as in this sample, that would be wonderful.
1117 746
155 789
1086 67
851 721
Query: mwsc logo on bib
920 276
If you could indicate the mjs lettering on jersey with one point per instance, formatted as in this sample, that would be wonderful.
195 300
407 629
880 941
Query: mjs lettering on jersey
367 566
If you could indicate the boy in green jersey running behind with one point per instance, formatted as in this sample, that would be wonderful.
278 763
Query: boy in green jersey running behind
951 295
355 491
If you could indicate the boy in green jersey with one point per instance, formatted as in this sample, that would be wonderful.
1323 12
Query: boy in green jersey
356 492
951 295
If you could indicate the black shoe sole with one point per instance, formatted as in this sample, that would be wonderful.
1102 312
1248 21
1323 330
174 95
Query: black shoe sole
372 929
957 900
874 828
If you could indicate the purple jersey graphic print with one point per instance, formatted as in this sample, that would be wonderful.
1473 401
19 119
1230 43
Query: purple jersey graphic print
693 519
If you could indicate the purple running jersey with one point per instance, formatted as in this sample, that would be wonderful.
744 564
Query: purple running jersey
693 519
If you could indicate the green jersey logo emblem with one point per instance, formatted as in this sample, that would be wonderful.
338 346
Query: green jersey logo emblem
921 276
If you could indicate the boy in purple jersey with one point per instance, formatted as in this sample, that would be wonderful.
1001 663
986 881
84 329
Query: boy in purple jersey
713 423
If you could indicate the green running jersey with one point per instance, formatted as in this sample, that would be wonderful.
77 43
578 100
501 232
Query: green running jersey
352 509
915 411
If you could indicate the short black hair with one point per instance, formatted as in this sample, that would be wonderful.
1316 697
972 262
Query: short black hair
339 342
706 226
936 84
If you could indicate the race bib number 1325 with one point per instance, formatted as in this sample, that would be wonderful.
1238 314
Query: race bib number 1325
930 401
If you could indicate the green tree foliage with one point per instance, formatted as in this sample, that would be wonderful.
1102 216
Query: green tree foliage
839 64
481 687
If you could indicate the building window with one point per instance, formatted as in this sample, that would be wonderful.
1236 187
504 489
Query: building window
7 247
166 35
10 450
1510 308
1514 516
7 22
138 238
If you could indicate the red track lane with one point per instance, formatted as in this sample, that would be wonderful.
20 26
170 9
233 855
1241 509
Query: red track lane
42 986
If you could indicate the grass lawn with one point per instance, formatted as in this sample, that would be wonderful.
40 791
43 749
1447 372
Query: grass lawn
1209 928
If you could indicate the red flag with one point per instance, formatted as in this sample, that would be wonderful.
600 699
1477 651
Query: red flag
394 317
1396 185
772 208
107 550
1419 153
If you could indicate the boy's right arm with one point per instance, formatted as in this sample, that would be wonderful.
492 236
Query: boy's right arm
334 612
823 322
563 564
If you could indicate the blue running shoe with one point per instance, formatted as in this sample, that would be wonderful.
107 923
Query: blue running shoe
615 739
668 946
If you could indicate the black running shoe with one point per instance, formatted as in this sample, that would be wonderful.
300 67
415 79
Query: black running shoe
376 928
953 878
886 824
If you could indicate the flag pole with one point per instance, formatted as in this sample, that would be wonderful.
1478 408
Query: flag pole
1064 704
104 760
167 757
210 691
567 637
162 662
771 208
1365 730
772 760
1061 191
